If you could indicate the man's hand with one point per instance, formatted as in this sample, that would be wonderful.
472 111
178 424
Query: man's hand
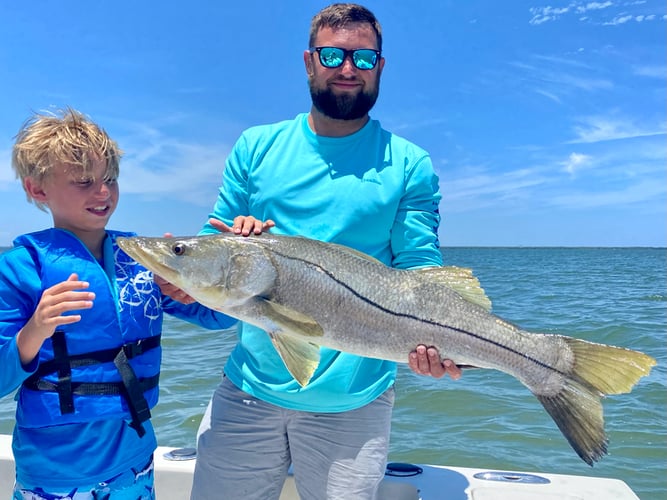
426 361
243 224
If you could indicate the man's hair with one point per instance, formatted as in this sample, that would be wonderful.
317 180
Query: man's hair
341 15
65 137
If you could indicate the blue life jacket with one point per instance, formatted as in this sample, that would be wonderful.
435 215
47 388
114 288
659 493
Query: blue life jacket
107 365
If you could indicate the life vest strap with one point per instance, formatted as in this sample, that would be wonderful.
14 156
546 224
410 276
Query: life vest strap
131 387
64 370
132 349
92 388
135 395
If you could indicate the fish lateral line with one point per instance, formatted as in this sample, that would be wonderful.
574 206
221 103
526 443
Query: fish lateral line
412 317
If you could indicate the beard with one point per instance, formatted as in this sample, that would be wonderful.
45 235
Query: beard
346 106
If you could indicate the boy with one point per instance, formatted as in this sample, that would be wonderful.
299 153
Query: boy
80 325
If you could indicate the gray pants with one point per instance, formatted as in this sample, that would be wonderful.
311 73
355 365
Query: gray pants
245 447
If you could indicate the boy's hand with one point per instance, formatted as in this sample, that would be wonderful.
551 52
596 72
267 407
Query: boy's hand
172 291
55 301
49 314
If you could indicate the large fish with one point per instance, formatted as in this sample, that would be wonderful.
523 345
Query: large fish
306 293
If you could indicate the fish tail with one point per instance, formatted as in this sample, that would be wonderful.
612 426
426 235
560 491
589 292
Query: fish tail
598 370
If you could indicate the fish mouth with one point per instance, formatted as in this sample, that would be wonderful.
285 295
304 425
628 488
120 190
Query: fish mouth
148 260
164 271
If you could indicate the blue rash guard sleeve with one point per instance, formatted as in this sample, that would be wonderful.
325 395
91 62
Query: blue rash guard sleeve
198 314
417 220
18 285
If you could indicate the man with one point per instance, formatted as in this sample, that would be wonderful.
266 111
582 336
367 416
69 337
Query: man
335 175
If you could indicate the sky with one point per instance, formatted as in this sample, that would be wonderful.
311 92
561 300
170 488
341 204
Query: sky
545 121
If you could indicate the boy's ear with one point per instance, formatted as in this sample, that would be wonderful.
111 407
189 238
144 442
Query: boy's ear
34 189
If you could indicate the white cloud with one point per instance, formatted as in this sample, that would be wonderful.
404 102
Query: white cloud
164 165
548 95
416 125
621 19
576 161
657 71
477 188
634 193
598 129
613 174
591 12
593 6
175 170
555 77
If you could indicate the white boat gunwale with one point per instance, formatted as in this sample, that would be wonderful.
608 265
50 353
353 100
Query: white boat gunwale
173 480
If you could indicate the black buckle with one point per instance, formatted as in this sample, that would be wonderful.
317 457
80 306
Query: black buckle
133 349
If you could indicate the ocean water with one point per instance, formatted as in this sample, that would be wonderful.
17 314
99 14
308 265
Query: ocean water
487 419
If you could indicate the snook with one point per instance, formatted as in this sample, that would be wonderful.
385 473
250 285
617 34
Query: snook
305 294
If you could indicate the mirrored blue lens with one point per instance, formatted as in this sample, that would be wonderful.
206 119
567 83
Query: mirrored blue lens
364 58
331 57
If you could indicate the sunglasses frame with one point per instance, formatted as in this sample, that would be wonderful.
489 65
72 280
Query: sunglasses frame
346 53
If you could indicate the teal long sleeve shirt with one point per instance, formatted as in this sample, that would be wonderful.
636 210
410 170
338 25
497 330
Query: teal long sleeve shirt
372 191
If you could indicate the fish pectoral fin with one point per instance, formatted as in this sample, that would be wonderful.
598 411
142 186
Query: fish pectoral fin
289 320
301 358
461 280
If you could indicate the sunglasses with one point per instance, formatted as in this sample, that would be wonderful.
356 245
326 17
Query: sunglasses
333 57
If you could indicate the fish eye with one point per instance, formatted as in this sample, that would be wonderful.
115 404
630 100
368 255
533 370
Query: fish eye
179 248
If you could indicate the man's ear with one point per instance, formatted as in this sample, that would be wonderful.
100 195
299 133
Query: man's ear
380 66
308 61
34 189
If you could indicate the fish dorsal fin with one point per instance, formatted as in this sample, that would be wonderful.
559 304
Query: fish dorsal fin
461 280
362 255
352 251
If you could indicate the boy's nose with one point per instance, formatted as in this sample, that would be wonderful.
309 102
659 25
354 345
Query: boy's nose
103 190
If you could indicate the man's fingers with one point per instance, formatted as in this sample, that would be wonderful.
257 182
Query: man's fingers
426 361
452 369
436 367
243 224
219 225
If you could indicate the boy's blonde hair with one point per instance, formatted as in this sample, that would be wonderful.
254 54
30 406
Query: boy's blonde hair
66 137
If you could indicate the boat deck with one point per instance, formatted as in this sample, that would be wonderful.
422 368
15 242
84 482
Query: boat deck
419 482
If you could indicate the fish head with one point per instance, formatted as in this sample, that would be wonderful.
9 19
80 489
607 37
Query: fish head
198 265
